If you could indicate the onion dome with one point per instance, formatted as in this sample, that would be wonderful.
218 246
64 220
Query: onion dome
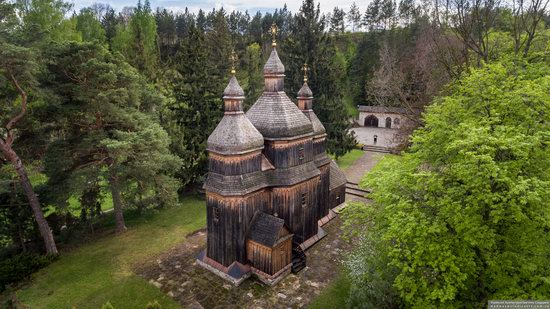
305 92
235 134
274 66
233 89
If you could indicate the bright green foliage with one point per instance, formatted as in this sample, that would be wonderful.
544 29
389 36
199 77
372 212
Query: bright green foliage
105 113
464 216
255 82
137 41
89 27
43 21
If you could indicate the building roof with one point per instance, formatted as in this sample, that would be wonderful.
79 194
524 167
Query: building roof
265 229
274 66
233 90
274 114
238 185
305 91
318 127
277 117
235 135
337 177
383 109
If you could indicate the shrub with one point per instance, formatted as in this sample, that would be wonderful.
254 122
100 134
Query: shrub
19 267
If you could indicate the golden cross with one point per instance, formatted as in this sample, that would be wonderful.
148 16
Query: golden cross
233 61
273 30
305 69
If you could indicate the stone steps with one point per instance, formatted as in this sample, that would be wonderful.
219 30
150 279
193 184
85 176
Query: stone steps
376 149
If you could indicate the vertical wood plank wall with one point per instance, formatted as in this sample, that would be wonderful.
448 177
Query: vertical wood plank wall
288 154
269 260
235 165
287 203
226 237
334 193
324 191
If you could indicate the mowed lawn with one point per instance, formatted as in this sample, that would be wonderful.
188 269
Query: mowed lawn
101 271
347 160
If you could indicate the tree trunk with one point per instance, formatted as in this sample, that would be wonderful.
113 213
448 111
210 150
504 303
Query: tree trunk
43 225
117 203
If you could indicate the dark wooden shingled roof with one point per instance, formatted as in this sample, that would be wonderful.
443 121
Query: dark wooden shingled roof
337 177
265 229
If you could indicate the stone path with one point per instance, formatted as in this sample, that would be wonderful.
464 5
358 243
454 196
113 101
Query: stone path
177 274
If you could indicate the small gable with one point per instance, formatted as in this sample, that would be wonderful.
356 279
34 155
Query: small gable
267 230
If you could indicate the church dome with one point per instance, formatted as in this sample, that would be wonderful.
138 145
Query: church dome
274 114
235 135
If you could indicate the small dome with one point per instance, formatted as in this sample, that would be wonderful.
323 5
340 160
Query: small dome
233 89
274 64
235 135
305 92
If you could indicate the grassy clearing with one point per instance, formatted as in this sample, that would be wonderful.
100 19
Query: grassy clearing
334 295
347 160
101 270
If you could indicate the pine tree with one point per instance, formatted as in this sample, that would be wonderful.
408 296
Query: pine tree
105 111
309 43
354 17
337 23
198 105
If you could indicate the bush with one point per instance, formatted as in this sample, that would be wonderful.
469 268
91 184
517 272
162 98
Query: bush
21 266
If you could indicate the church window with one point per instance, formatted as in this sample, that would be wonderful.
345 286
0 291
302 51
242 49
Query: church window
304 199
301 153
216 213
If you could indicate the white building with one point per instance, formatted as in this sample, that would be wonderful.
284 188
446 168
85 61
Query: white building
378 126
381 116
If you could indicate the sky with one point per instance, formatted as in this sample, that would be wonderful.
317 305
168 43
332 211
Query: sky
230 5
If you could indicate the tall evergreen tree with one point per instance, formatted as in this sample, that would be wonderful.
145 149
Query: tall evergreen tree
354 17
198 105
105 111
309 43
337 23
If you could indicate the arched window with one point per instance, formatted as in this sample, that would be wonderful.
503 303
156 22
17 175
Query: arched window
371 121
388 122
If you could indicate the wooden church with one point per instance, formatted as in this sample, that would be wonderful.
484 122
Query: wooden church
271 185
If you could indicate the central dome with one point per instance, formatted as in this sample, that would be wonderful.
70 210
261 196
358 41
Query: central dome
274 114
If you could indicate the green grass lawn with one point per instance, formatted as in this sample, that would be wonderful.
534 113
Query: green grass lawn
334 295
347 160
101 270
